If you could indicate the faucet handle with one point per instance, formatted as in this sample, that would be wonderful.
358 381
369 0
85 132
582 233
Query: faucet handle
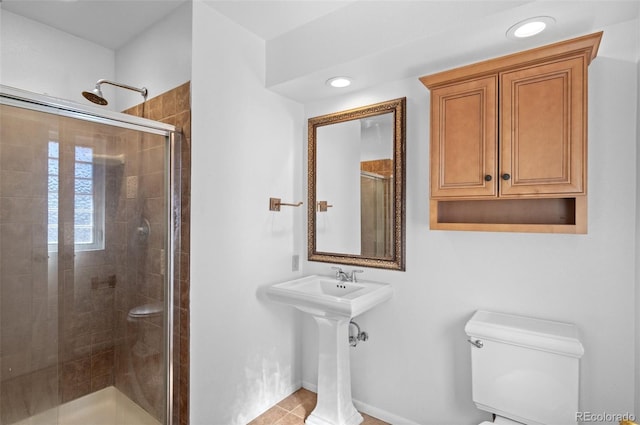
353 274
338 271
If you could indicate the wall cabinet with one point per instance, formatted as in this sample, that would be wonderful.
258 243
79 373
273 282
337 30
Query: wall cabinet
509 141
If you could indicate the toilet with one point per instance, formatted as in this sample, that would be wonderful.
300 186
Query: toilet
524 370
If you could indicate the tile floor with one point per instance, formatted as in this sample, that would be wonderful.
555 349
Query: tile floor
294 409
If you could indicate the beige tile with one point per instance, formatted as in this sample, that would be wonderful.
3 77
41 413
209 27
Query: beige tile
21 184
296 408
23 210
169 103
301 411
183 121
370 420
17 158
270 417
309 399
16 244
153 108
300 403
290 419
290 402
183 97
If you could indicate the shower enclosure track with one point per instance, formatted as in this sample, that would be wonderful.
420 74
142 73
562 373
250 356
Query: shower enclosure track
38 102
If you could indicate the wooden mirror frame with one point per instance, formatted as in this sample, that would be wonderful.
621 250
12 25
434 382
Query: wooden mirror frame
397 260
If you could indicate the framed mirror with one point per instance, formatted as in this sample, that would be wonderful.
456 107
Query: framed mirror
356 184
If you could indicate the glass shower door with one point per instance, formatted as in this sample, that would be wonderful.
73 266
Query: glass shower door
83 249
28 281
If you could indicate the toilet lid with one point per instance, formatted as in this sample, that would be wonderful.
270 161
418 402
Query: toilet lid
505 421
499 420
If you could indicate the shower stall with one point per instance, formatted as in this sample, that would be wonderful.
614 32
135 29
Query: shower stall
89 234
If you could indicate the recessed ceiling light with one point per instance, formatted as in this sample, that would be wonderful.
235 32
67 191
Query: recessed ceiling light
339 82
529 27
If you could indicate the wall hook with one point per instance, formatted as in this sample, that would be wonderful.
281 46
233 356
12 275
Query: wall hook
323 206
275 203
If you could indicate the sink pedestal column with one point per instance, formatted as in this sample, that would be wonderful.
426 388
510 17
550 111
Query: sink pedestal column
334 405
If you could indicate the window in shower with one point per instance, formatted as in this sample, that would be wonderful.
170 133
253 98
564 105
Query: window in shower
88 198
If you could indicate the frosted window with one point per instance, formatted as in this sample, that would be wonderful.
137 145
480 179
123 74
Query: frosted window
84 171
52 194
53 202
88 198
52 184
84 186
53 234
84 154
83 234
53 217
53 166
53 150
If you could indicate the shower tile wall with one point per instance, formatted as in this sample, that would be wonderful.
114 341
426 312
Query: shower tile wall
138 355
173 107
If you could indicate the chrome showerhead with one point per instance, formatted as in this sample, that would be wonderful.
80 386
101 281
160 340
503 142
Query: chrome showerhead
95 96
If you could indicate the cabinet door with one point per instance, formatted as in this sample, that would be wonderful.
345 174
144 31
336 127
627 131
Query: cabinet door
543 139
464 139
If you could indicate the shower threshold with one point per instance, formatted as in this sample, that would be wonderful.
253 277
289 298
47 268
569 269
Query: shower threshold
105 407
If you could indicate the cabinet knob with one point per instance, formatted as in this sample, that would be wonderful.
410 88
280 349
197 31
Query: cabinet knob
506 176
487 178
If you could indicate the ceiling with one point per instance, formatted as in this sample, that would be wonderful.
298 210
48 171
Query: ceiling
269 19
109 23
113 23
309 41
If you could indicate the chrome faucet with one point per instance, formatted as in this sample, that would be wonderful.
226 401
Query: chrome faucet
346 277
341 275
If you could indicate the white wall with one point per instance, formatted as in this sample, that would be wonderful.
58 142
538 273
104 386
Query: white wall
338 183
39 58
42 59
415 368
637 299
158 59
637 306
246 149
376 137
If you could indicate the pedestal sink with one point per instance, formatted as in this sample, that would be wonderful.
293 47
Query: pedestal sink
332 303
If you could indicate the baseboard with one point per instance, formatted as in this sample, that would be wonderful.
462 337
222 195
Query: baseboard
383 415
309 386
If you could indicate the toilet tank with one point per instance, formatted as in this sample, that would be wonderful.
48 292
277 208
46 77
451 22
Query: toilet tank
525 369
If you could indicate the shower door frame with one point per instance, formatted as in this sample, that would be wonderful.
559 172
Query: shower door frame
11 96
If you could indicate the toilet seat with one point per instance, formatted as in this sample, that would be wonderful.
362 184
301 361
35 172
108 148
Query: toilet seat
499 420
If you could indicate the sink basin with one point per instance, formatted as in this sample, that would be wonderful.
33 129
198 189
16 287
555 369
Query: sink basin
327 297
